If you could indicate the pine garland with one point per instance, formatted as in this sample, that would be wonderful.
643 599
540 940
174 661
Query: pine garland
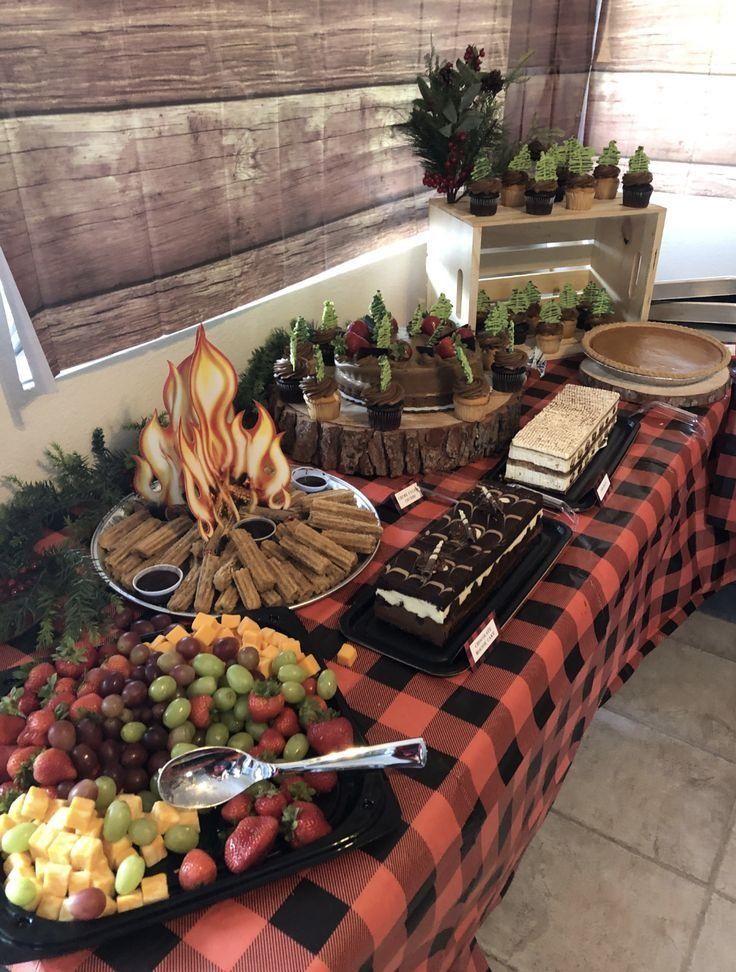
255 382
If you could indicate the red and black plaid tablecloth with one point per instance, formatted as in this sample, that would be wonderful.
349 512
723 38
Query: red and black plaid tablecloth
501 738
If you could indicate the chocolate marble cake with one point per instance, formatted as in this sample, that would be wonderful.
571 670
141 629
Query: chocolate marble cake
430 587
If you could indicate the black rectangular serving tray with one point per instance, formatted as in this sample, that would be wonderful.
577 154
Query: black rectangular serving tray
581 495
362 808
360 624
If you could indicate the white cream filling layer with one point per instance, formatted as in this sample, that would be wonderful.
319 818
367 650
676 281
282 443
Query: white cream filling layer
423 609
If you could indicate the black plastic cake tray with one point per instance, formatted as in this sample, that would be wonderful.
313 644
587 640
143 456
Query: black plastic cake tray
362 808
360 624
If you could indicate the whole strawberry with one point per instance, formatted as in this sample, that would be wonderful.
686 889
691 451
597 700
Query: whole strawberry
11 727
68 662
311 710
303 823
19 764
321 782
265 701
250 843
286 722
37 727
272 741
6 751
200 713
28 703
295 787
39 676
53 766
89 704
271 804
237 808
330 735
197 869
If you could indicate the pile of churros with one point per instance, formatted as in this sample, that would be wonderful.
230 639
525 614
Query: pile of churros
319 540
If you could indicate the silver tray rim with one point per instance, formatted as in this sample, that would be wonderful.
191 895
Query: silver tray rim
118 512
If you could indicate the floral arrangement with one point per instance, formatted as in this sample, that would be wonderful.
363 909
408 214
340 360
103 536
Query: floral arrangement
457 117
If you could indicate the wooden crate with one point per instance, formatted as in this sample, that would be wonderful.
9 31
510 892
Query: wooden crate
616 246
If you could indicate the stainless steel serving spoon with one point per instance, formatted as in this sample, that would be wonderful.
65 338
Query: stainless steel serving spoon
211 775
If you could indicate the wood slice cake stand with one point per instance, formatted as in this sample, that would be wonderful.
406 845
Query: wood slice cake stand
703 392
425 441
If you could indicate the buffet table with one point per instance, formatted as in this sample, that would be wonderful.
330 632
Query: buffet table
501 737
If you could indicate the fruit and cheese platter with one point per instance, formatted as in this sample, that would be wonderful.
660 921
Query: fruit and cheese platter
91 851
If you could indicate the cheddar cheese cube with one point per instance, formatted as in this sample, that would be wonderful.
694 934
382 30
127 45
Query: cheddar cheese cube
201 620
92 829
189 817
110 906
158 640
88 852
176 634
347 655
118 851
210 632
49 906
309 664
53 806
40 866
134 802
154 852
41 839
79 881
56 878
35 804
20 862
154 888
164 815
6 823
102 877
126 902
81 812
230 621
60 848
64 912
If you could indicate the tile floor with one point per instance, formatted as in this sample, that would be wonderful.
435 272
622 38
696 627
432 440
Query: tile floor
634 869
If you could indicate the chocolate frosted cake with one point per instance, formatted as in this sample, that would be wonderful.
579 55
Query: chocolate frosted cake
430 587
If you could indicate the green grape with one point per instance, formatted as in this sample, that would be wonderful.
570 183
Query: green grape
225 699
296 747
183 733
326 684
106 792
291 673
239 679
228 719
181 838
15 840
256 729
182 747
148 798
177 713
283 658
21 891
162 688
207 685
129 874
167 661
241 709
241 740
117 821
142 831
216 735
153 786
132 732
293 692
208 665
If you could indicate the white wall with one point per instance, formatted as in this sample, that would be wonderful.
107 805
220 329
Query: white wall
699 237
128 385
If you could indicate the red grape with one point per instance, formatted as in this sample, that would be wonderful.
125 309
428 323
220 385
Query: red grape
62 735
133 754
135 779
112 706
183 674
85 761
189 647
157 710
142 627
116 772
135 693
85 788
111 727
63 789
89 732
160 621
155 738
157 760
226 649
112 684
139 654
110 751
127 642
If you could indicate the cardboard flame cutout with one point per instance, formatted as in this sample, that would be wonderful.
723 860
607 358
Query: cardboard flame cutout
204 449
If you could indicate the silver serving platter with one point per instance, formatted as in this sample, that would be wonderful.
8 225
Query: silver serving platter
120 511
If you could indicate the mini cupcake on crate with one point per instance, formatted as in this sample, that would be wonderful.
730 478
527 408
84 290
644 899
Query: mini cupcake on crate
518 305
515 180
568 306
541 192
601 310
585 299
509 367
483 307
288 372
580 189
484 188
549 329
320 392
606 173
471 395
638 181
385 403
495 333
324 333
534 296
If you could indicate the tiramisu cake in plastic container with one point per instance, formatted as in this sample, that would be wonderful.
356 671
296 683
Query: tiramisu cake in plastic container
436 583
554 448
